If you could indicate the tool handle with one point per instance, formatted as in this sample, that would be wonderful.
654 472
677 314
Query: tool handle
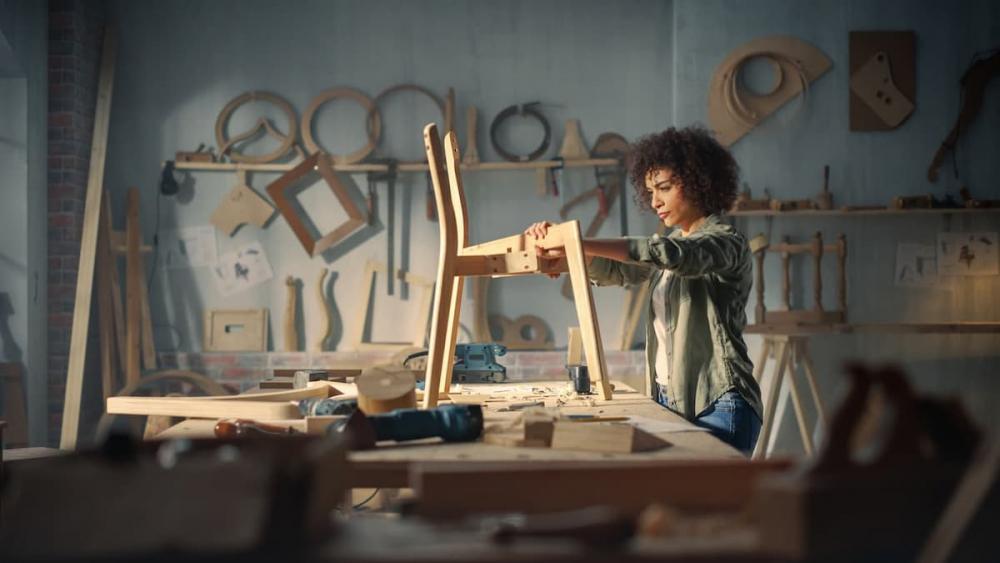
243 428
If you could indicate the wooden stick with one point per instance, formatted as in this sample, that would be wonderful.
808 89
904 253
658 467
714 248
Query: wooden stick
148 346
291 331
471 150
105 312
800 415
770 404
88 247
802 345
759 309
786 281
584 301
817 252
133 283
324 311
203 407
842 274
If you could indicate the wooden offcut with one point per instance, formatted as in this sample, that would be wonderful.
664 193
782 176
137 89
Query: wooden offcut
88 247
383 389
133 287
609 437
191 407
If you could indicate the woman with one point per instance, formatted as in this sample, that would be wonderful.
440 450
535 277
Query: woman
700 277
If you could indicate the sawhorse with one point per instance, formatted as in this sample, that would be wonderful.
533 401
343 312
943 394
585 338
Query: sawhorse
795 350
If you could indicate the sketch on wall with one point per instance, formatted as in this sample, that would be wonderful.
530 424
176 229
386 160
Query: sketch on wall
967 254
188 247
916 265
242 269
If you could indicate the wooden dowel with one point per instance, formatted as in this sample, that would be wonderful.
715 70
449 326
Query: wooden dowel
759 309
786 279
817 252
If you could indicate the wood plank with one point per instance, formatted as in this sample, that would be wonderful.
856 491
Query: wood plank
443 489
604 437
966 327
106 321
88 247
133 287
193 407
148 346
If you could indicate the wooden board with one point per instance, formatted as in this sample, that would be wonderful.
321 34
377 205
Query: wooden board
780 50
236 330
604 437
900 48
133 287
241 205
202 407
88 246
425 300
442 489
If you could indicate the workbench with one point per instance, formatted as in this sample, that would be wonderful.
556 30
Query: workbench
391 464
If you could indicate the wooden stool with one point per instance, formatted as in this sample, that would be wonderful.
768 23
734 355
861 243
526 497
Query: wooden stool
509 256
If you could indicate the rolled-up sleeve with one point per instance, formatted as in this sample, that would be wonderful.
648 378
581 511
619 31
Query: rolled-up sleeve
717 252
604 271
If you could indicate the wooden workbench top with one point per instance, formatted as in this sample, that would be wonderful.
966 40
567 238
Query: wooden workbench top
389 464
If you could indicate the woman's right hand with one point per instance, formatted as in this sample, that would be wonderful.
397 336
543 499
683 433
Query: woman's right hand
538 230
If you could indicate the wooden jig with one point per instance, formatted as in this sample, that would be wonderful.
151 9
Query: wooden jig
226 145
236 330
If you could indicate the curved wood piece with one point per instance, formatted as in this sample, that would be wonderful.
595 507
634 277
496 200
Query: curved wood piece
207 385
792 56
374 124
512 332
287 141
324 311
444 106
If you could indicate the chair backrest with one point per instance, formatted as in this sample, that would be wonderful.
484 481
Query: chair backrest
449 196
786 315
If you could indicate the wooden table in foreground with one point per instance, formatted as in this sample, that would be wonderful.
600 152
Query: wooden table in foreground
390 464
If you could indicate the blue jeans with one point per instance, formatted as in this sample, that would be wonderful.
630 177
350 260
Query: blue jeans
730 418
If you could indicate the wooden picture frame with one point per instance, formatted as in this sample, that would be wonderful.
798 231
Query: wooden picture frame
278 189
419 336
252 338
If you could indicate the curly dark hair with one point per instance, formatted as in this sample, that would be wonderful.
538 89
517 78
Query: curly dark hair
708 173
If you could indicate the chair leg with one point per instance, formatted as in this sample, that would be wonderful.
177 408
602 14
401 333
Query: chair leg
770 404
438 344
584 301
810 370
454 314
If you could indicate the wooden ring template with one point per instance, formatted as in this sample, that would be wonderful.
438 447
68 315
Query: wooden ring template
513 332
287 140
374 121
317 162
373 112
523 110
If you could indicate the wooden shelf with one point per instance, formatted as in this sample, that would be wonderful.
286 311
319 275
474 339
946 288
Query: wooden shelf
403 166
843 212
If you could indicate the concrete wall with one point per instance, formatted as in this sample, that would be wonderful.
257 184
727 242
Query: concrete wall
633 67
786 154
23 267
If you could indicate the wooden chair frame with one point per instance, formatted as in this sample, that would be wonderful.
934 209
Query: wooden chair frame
508 256
786 315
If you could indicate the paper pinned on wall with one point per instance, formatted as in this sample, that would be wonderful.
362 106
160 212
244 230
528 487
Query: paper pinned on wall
242 269
188 247
916 265
968 254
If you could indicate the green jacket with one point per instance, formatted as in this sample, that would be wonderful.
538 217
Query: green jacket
708 295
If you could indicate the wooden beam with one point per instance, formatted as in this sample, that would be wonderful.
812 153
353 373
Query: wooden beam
443 488
88 247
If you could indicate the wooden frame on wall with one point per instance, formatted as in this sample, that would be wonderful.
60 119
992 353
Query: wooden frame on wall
278 189
252 337
419 335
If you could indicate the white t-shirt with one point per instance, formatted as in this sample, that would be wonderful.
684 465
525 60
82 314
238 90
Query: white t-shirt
661 312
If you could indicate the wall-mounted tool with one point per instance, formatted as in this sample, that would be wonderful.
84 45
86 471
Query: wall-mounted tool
197 155
521 110
825 199
451 423
882 79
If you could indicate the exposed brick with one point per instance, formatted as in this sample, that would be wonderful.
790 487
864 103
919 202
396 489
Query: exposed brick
536 358
289 359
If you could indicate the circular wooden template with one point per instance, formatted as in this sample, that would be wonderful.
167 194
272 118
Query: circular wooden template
374 123
383 389
253 96
411 88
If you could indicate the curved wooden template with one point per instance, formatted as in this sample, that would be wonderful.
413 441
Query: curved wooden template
209 386
445 106
287 140
324 310
514 339
373 124
321 389
812 62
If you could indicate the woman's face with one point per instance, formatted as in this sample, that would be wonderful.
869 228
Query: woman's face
666 196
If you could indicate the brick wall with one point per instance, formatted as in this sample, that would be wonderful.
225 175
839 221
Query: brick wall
75 32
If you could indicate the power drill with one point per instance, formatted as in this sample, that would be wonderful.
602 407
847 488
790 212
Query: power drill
451 423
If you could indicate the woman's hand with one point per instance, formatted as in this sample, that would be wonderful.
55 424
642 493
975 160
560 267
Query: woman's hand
538 231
